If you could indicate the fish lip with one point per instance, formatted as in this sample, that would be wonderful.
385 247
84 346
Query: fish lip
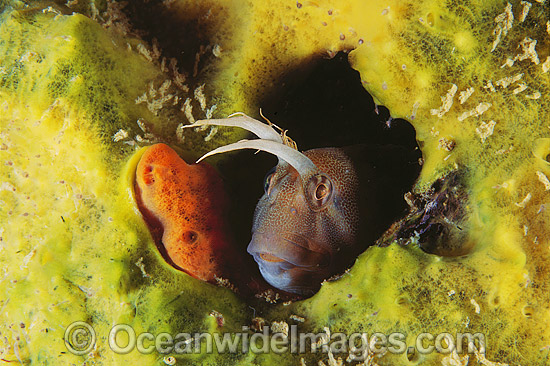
286 245
302 285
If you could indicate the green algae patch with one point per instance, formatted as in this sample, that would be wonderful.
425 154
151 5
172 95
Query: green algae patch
73 246
404 290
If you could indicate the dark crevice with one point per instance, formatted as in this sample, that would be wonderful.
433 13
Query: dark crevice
330 107
325 105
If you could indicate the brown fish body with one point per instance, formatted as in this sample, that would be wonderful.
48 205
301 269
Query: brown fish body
306 229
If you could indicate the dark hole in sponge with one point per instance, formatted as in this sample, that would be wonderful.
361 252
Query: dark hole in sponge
179 34
324 105
328 106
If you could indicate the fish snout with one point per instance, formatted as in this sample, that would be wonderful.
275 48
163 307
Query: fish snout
288 262
289 247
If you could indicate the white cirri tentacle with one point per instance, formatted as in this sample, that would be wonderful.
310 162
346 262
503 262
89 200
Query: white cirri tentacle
296 159
263 131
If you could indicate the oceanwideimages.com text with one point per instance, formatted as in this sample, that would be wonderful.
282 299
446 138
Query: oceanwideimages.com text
80 339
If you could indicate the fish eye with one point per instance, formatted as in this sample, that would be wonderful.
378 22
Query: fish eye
319 190
267 179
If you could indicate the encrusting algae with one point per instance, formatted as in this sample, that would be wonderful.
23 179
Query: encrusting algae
80 92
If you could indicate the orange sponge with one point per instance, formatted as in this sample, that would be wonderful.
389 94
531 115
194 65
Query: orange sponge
184 206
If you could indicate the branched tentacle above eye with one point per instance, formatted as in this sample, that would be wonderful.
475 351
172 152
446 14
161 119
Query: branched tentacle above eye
303 165
269 141
263 131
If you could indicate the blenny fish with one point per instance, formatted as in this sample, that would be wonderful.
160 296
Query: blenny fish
321 208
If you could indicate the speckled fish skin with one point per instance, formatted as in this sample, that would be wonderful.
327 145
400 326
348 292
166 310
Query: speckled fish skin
184 206
297 245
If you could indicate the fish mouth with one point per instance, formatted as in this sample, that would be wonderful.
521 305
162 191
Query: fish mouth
293 249
297 280
287 262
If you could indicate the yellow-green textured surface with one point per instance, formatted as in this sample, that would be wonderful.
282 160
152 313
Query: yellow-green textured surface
73 246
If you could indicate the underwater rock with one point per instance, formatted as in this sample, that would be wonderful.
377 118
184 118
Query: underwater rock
436 219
